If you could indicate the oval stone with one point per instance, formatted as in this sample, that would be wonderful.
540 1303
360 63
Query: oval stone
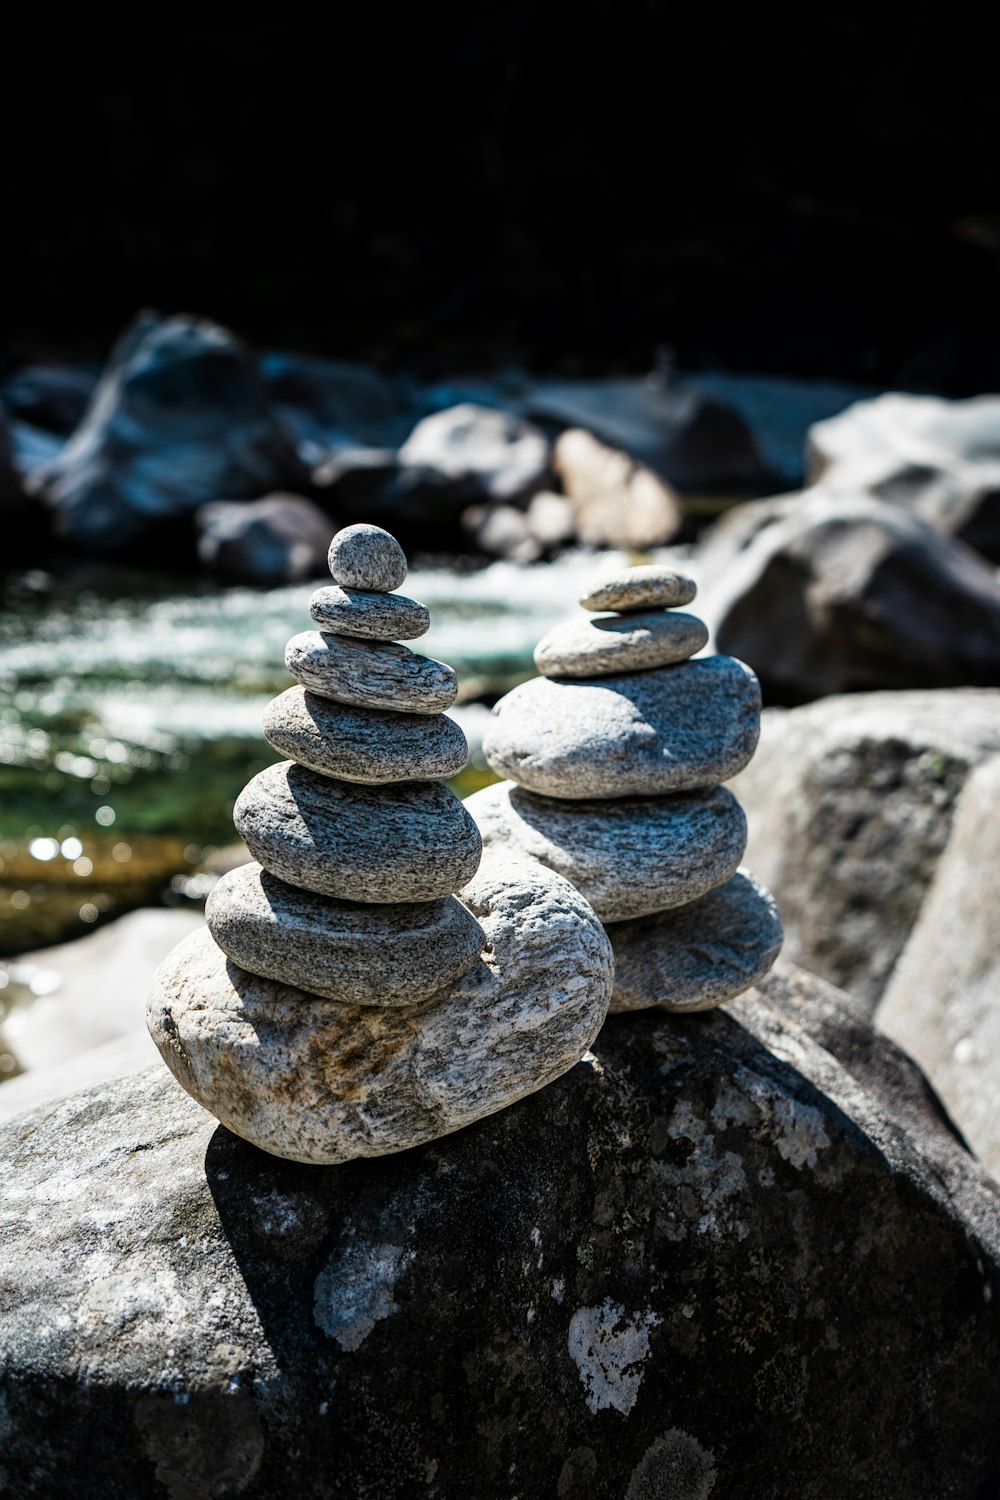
609 644
370 674
697 956
370 745
667 730
645 587
629 857
352 953
366 557
412 841
377 617
315 1081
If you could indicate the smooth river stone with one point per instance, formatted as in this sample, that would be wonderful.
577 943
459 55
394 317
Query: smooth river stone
411 841
609 644
370 674
647 587
357 955
370 745
318 1082
700 955
366 557
376 617
630 857
641 734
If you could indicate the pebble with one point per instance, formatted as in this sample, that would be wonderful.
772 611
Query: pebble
410 841
319 1082
666 730
366 557
609 644
354 954
647 587
370 674
370 745
377 617
628 857
697 956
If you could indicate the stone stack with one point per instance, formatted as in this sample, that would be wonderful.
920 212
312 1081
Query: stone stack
615 757
343 1002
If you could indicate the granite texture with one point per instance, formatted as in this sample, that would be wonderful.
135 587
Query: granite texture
319 1082
697 956
412 841
666 730
354 954
629 857
366 557
370 745
377 617
646 587
370 674
610 644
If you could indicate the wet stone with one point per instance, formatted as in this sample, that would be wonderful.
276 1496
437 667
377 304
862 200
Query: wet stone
369 745
370 674
609 644
646 587
366 557
377 617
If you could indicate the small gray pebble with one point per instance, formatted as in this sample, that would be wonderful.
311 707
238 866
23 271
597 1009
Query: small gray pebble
376 617
372 745
370 674
366 557
646 587
609 644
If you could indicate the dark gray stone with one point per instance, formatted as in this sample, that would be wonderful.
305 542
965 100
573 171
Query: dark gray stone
377 617
280 539
370 674
372 745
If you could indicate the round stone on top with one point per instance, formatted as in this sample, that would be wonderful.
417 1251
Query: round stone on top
647 587
366 557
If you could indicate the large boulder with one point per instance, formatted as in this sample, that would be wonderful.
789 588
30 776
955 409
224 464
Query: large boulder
51 397
742 1253
330 404
849 804
279 539
179 417
618 502
823 593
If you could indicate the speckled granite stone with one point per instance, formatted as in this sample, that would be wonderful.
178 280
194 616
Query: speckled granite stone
646 587
366 557
377 617
370 674
609 644
370 745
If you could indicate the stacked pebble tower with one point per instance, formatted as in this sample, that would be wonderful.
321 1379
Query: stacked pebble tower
343 1001
615 757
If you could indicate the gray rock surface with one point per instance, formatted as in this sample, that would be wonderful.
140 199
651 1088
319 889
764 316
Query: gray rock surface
319 1082
378 617
279 539
618 502
636 735
648 586
366 557
607 645
480 453
370 674
720 1249
850 804
357 955
372 745
628 857
697 956
411 841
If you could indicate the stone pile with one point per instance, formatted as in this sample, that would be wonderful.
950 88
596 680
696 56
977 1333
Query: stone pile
615 757
343 1001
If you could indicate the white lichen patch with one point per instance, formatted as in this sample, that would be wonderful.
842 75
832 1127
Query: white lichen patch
354 1291
608 1346
705 1181
798 1129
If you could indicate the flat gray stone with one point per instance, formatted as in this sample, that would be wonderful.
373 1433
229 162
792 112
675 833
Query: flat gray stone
376 617
357 955
370 674
366 557
666 730
629 857
609 644
645 587
412 841
371 745
314 1081
697 956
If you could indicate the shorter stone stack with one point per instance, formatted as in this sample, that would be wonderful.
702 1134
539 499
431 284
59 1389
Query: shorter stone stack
615 757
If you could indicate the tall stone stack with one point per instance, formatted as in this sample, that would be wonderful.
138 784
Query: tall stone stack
615 757
343 1001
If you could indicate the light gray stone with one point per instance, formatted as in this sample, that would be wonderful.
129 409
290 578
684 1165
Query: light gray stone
366 557
697 956
609 644
377 617
618 502
628 857
412 841
315 1081
370 674
646 587
667 730
370 745
357 955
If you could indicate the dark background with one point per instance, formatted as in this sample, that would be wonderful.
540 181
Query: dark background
570 186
